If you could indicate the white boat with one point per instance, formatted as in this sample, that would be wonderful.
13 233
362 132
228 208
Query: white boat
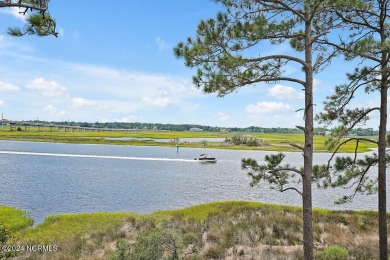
205 158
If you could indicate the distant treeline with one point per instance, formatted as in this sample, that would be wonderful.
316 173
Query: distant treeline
192 127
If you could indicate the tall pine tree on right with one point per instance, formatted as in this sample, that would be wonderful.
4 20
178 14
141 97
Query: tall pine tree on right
368 42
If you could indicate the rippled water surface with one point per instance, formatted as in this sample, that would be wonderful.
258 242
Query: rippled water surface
48 178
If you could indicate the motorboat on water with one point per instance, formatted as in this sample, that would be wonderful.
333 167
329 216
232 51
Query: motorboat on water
205 158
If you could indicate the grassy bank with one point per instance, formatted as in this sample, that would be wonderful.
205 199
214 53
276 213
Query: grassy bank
277 142
219 230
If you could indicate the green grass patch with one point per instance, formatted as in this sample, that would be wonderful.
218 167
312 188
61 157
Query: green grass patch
14 219
69 226
202 211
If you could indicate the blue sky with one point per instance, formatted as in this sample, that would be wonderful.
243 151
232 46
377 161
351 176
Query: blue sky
114 61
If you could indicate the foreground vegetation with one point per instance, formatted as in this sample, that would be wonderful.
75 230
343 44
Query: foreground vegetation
274 142
219 230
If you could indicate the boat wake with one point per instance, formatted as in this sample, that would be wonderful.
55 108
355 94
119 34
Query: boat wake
97 156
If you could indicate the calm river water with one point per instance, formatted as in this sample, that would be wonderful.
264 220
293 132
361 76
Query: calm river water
71 178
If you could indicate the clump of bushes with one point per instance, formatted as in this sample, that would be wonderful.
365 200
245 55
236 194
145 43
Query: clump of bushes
151 244
240 139
4 237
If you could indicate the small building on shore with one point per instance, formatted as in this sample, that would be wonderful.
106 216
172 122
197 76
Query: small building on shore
195 129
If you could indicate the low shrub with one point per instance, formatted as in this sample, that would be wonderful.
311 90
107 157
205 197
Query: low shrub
154 244
4 236
122 251
214 252
332 253
191 239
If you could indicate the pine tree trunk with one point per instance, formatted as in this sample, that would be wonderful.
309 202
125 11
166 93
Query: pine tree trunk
382 211
308 147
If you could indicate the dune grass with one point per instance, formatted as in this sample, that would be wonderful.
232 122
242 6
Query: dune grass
217 229
67 226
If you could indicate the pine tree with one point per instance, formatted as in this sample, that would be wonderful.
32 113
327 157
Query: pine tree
368 41
222 53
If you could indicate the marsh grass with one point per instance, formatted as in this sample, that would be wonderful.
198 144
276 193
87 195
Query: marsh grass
278 142
14 219
71 226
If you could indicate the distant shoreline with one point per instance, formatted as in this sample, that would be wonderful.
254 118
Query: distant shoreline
270 142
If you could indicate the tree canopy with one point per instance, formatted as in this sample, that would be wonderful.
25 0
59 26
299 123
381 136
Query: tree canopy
38 19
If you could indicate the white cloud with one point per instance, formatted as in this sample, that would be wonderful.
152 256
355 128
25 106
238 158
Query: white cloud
126 119
285 92
132 84
161 44
14 49
316 84
223 117
47 88
61 32
267 107
8 87
190 107
53 111
96 71
157 102
299 115
88 103
15 12
6 44
81 102
1 102
129 118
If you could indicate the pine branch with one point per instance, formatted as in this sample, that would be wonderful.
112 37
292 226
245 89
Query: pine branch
292 188
347 50
301 128
285 168
41 5
349 140
359 185
364 24
349 128
297 146
286 57
286 7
